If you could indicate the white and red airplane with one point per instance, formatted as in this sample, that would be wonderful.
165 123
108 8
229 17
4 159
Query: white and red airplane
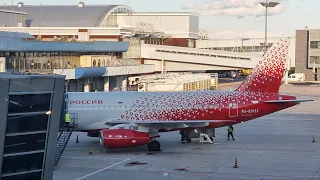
127 119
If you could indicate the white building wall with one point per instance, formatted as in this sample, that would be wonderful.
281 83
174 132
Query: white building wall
179 66
292 52
179 25
165 87
61 31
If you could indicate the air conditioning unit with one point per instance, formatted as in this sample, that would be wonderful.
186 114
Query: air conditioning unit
134 80
142 87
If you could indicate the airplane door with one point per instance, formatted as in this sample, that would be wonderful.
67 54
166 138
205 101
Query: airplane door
233 106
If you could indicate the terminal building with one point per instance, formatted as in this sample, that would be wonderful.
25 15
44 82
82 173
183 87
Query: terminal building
165 40
308 53
88 66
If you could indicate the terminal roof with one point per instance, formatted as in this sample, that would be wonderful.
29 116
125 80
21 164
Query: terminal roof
16 34
18 43
66 15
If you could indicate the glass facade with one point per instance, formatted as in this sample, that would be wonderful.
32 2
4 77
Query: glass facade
30 176
25 143
29 103
27 123
27 162
111 20
45 62
134 50
26 134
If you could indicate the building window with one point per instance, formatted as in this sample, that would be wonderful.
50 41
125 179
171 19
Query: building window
314 44
314 59
32 175
29 103
27 162
27 123
24 143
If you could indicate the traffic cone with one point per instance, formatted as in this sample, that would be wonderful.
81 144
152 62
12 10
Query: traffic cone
91 151
313 139
236 164
77 139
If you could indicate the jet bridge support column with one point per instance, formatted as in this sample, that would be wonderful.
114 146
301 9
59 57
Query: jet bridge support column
106 84
124 83
86 84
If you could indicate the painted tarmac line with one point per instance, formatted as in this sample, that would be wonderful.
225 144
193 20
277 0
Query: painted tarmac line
287 118
83 157
88 148
103 169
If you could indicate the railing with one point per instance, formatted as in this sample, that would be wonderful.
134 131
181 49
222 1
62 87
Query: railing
123 62
37 71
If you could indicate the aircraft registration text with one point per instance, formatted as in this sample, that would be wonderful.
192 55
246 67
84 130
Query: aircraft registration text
243 111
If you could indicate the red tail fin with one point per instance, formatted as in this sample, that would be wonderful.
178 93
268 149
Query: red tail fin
267 75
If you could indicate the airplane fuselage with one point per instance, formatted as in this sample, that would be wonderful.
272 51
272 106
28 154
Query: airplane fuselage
95 110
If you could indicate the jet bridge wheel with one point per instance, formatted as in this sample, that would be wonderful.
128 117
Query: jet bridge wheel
154 146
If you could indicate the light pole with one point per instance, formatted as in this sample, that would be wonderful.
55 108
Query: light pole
266 5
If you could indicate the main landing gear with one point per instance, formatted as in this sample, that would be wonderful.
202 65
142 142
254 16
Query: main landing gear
154 145
185 135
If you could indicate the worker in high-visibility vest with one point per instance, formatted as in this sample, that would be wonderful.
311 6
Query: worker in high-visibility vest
67 118
230 132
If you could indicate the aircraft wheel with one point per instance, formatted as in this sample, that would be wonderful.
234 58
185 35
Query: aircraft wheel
154 146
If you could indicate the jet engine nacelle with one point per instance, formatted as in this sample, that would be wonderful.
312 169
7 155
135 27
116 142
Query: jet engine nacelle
122 138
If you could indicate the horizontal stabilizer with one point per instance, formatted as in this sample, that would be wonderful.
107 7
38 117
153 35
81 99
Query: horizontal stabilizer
290 100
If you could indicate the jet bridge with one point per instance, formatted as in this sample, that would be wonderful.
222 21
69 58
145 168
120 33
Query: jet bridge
173 58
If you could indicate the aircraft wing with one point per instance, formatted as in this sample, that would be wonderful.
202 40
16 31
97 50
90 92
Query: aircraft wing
290 100
172 124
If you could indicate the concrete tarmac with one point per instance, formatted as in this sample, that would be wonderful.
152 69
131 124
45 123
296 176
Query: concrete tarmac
278 146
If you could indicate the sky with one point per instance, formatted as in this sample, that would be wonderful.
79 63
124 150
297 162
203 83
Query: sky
224 18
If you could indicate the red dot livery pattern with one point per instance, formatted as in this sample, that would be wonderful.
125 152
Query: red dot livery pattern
193 105
267 75
263 83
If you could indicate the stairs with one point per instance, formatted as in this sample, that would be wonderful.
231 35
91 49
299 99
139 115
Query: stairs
65 132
